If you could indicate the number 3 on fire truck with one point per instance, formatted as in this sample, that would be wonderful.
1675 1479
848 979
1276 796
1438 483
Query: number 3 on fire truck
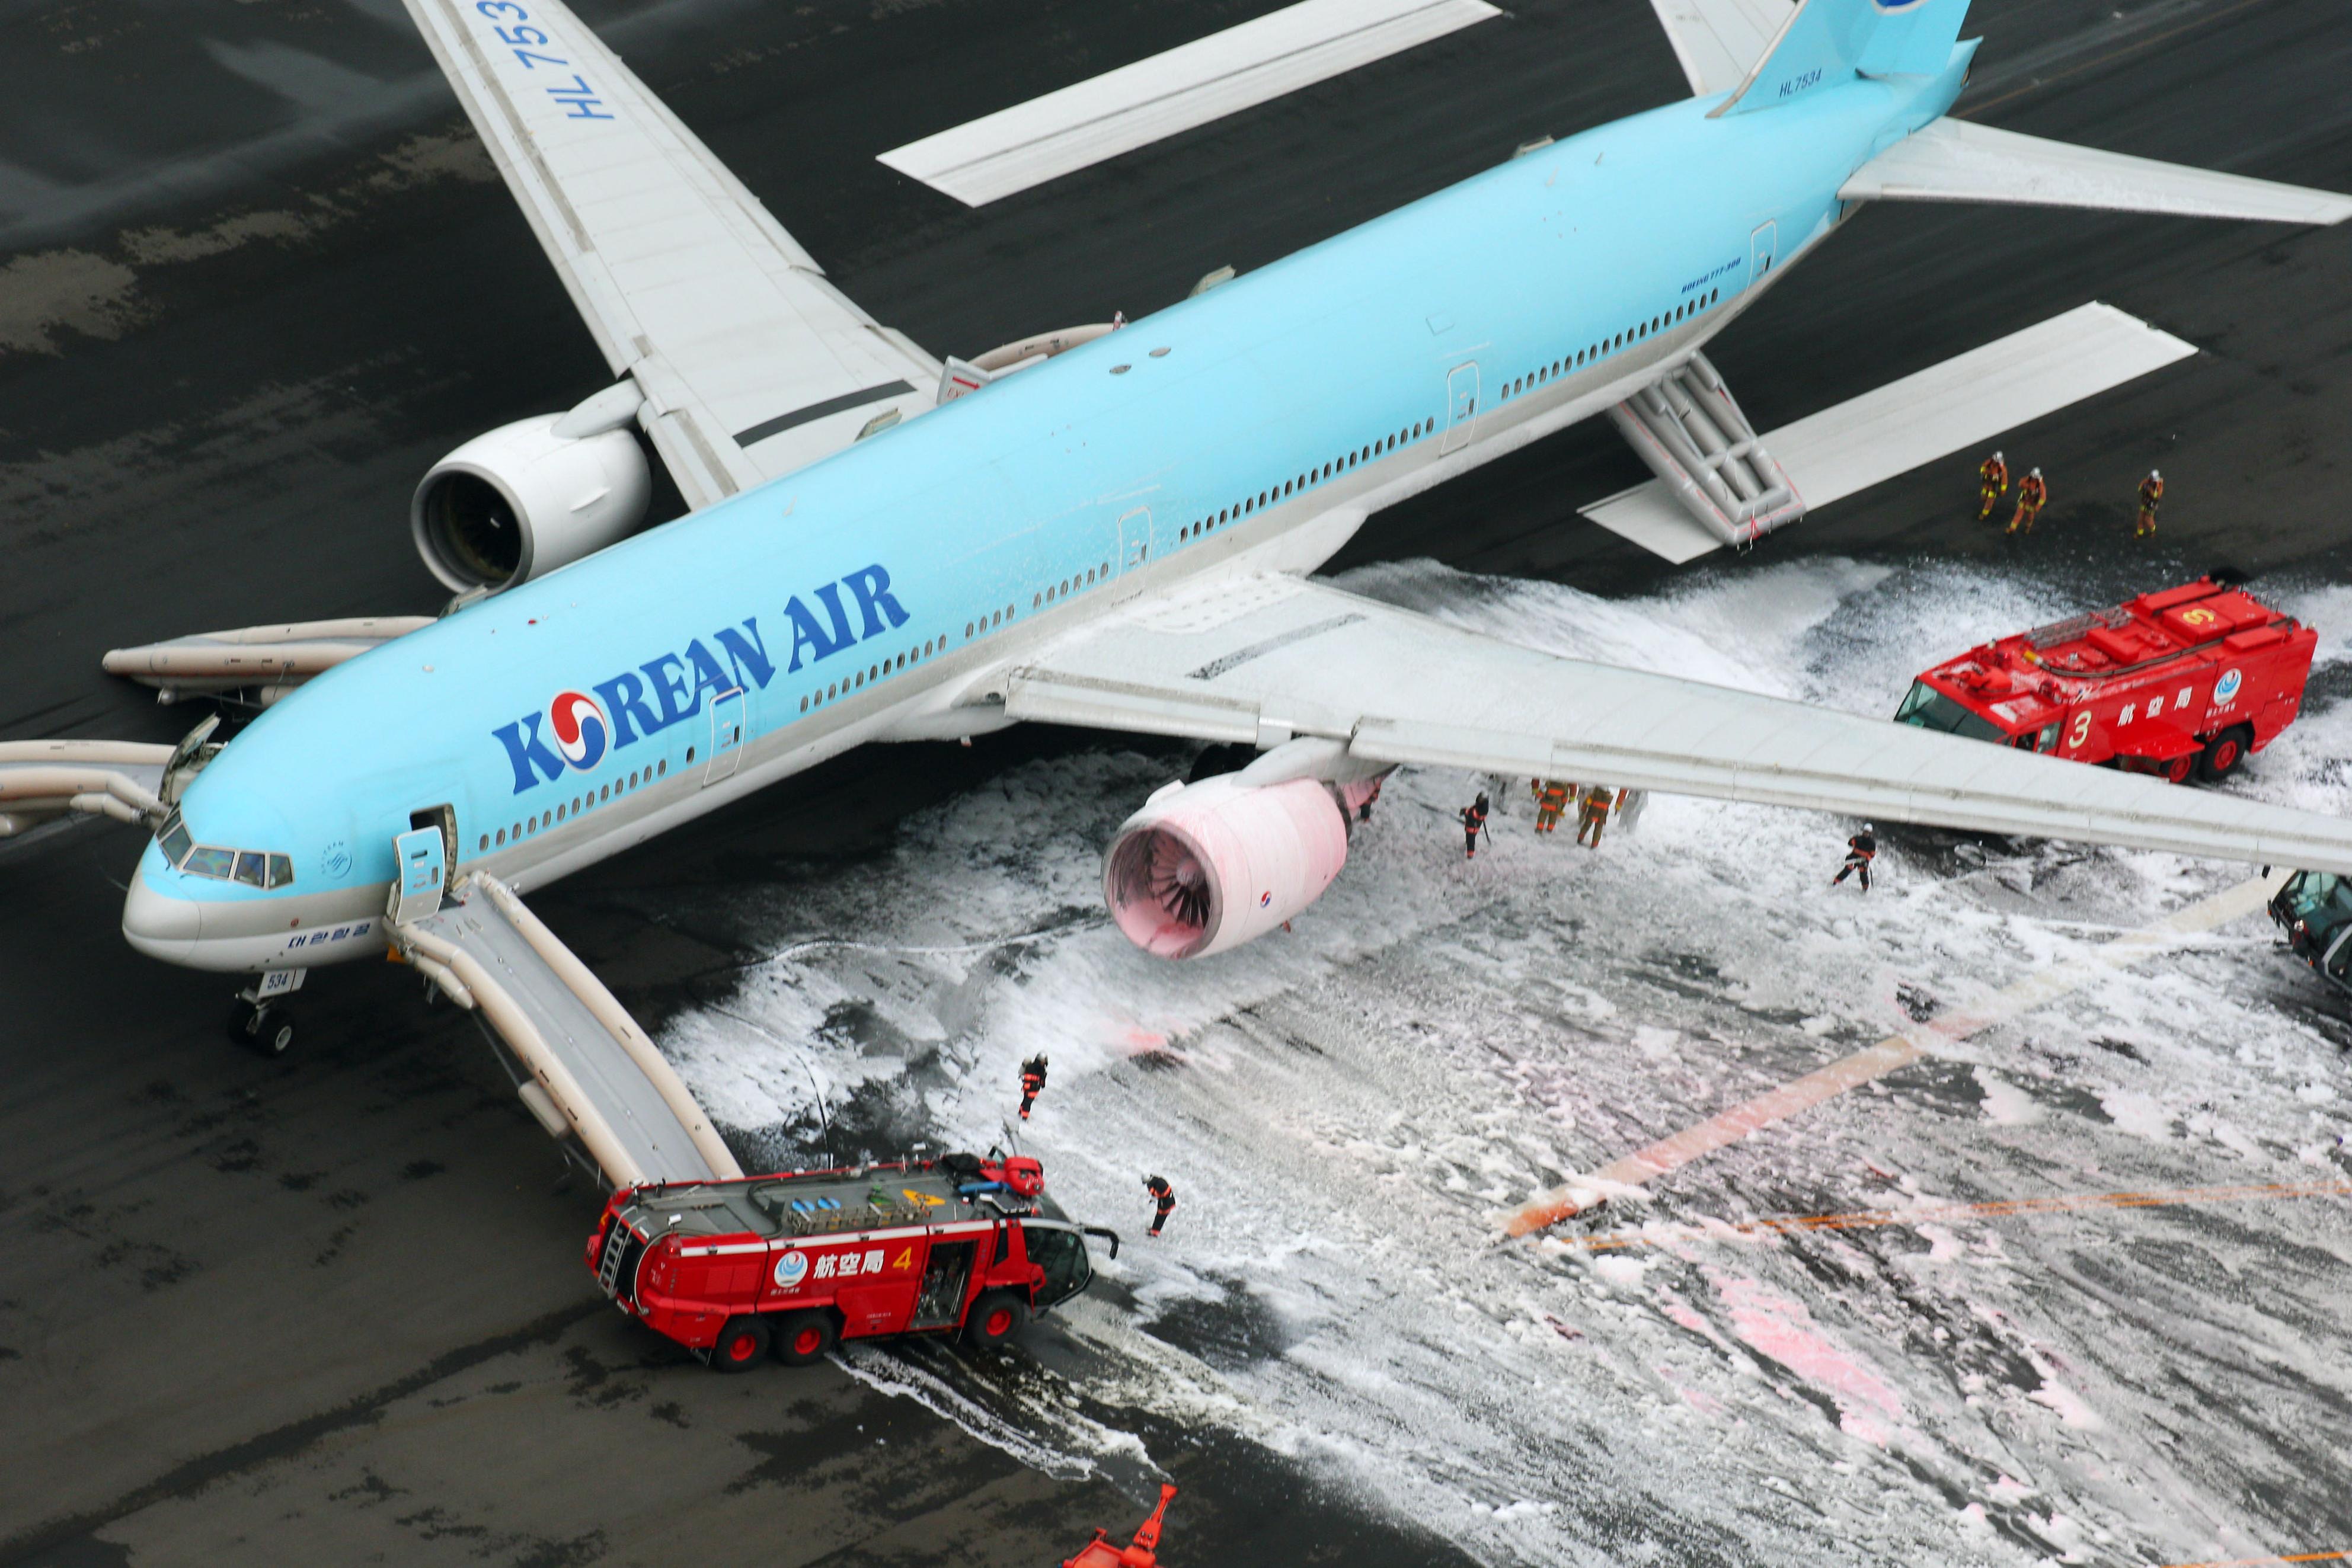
2080 732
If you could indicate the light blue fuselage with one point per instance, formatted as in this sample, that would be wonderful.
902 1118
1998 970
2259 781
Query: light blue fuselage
863 596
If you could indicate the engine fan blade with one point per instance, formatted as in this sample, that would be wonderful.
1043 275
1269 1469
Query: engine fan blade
1179 883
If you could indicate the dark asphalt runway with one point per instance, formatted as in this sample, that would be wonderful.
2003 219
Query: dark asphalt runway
255 277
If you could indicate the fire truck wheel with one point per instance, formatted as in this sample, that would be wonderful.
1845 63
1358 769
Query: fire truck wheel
996 1317
804 1337
742 1345
2177 770
2222 757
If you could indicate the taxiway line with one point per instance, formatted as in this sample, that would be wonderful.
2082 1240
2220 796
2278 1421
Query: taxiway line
1875 1218
2036 990
2336 1556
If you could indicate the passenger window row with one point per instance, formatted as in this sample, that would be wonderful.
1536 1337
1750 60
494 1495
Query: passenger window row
1273 495
254 868
857 679
1067 587
565 809
1595 352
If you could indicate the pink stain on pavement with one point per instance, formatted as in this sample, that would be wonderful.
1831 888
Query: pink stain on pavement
1775 1326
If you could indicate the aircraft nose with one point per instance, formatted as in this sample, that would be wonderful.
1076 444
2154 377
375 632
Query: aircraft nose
158 925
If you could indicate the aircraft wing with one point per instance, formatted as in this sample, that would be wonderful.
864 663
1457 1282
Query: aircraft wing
750 362
1261 659
1719 41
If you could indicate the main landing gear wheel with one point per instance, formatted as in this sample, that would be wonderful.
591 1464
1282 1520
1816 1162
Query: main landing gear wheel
742 1345
995 1318
2222 757
263 1027
804 1337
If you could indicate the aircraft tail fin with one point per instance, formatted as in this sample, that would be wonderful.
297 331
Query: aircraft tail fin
1826 43
1958 161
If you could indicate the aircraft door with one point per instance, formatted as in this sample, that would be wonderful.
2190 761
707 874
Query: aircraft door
727 725
947 1276
1134 539
1761 252
416 890
1460 407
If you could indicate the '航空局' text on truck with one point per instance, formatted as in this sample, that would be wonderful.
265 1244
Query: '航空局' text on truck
2186 681
798 1262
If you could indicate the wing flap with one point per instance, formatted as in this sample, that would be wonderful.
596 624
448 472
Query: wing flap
1956 160
1401 687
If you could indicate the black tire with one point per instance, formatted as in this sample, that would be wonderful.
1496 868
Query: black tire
996 1317
804 1337
261 1028
2223 754
742 1345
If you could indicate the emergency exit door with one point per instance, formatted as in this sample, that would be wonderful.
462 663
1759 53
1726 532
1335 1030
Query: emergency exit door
1761 252
1460 407
1135 538
422 876
726 736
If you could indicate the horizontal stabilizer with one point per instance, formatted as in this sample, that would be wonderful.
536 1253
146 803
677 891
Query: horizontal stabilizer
1954 161
1944 409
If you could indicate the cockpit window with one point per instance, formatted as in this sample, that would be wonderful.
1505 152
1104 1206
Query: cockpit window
206 860
252 867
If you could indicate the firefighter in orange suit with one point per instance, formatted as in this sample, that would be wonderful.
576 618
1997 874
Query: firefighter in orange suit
1164 1200
1593 815
2151 496
1033 1082
2033 495
1992 484
1551 800
1474 822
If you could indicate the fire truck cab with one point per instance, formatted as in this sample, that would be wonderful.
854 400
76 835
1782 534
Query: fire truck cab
2187 680
2315 909
797 1262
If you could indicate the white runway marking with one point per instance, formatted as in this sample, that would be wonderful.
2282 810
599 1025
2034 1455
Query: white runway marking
993 157
2039 990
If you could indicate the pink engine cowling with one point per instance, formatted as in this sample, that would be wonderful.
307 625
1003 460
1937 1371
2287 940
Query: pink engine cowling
1208 866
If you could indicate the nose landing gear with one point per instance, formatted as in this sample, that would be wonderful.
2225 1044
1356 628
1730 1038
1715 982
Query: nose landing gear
265 1026
260 1021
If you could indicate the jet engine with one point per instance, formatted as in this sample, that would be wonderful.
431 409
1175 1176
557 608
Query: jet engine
523 499
1208 866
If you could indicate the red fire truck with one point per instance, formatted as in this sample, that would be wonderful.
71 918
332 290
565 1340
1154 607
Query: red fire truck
794 1263
2187 680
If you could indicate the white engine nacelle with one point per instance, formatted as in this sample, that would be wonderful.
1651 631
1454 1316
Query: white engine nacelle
522 500
1208 866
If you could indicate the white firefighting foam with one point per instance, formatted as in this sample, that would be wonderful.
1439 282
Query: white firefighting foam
1342 1108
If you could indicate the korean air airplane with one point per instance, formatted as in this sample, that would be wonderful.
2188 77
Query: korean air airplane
1098 527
